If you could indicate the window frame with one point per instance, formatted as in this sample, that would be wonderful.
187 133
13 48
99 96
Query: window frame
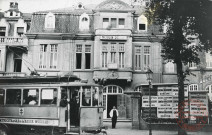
48 55
111 25
83 56
55 104
142 20
50 21
148 58
139 60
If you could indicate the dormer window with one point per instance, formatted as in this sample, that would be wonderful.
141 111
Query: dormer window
50 21
142 23
84 22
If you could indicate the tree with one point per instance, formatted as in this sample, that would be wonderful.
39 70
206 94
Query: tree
184 19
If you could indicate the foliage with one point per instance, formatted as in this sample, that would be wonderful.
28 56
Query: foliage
183 19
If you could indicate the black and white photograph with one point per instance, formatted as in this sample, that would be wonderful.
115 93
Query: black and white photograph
105 67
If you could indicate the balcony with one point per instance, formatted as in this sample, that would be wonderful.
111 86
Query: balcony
12 74
13 41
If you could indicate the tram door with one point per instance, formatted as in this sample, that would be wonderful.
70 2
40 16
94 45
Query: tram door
74 106
112 101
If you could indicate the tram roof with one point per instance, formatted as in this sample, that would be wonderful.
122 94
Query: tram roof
37 79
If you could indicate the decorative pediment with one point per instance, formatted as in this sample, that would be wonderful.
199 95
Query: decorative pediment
113 5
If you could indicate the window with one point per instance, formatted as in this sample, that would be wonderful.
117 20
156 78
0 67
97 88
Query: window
43 56
121 22
87 56
193 87
113 53
169 67
121 55
50 21
208 58
113 23
20 31
2 95
105 22
30 96
83 56
116 54
17 62
142 23
192 65
79 57
48 56
49 96
13 96
146 57
1 64
2 31
104 54
84 22
209 89
86 96
53 56
137 57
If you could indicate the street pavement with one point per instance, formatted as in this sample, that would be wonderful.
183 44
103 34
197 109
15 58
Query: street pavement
125 128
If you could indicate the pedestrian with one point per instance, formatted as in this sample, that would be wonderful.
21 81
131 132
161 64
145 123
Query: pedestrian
114 114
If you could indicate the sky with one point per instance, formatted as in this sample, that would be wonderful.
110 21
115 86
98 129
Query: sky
28 6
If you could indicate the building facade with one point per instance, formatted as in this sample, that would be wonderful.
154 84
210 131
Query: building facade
111 44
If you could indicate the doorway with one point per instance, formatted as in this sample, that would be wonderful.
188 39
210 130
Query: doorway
112 101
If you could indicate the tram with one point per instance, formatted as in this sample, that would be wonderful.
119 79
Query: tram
50 106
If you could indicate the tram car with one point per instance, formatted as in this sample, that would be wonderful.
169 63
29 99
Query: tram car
50 106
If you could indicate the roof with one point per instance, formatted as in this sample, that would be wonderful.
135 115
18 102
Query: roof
68 10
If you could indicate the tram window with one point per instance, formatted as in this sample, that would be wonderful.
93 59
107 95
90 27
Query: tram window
49 96
2 93
86 96
30 96
13 96
95 96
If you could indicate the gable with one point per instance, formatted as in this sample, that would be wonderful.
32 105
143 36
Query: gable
113 5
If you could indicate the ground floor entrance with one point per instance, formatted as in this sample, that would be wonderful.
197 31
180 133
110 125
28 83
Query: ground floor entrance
113 96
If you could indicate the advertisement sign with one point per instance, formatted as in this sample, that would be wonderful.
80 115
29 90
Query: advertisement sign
40 122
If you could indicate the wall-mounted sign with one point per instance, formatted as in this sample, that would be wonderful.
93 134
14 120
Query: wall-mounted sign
113 37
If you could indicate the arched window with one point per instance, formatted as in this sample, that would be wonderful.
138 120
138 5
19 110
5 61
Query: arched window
50 21
112 89
169 67
84 22
142 23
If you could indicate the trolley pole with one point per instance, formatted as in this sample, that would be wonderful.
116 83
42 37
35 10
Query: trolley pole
149 75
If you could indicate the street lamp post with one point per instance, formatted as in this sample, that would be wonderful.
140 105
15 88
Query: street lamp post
149 75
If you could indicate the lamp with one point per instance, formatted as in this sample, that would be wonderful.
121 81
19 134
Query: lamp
149 76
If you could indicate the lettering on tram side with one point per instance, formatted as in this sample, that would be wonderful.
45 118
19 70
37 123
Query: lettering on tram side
29 121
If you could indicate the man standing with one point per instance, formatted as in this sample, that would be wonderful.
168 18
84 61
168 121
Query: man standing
114 114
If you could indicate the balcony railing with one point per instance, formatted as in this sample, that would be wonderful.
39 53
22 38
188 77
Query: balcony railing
12 74
11 40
